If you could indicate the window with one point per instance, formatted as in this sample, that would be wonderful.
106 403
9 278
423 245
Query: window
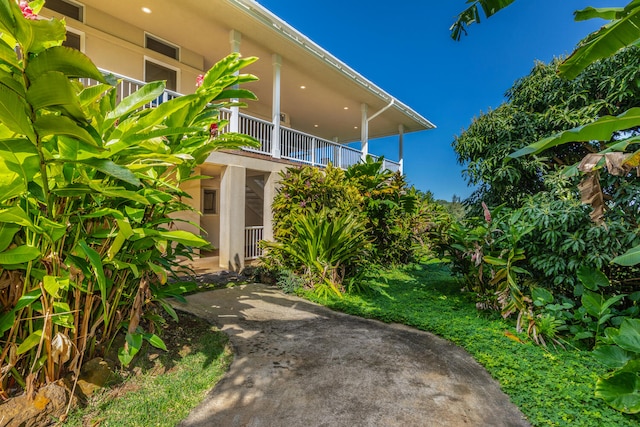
74 40
158 45
67 8
209 201
154 71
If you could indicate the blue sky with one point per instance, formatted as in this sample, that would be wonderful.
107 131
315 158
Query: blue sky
405 48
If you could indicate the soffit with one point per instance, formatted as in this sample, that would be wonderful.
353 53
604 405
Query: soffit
204 27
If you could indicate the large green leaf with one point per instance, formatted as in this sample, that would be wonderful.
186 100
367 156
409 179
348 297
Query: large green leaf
142 96
43 34
19 156
30 342
629 258
19 255
112 169
471 14
53 89
600 130
7 231
592 278
603 43
621 390
98 270
612 356
61 125
629 336
15 215
71 62
6 321
608 13
14 113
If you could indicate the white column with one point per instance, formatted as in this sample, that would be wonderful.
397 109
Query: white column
275 138
401 147
364 132
232 221
270 185
235 38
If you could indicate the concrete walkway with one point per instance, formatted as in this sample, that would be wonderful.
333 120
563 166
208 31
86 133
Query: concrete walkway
300 364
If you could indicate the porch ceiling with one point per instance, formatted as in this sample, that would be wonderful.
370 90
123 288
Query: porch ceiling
319 109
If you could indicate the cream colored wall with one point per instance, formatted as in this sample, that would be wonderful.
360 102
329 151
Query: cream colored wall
119 47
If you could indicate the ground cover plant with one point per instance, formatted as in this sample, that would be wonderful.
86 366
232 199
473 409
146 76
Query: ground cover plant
161 388
552 388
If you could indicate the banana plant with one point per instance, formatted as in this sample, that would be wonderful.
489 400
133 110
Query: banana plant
89 188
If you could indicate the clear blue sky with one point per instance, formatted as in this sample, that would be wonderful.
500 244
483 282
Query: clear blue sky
405 48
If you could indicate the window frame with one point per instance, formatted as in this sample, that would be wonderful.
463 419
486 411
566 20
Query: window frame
163 41
162 64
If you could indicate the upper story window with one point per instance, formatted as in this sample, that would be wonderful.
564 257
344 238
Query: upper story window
161 46
154 71
67 8
73 40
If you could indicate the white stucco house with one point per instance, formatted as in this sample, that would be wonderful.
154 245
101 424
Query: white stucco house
310 104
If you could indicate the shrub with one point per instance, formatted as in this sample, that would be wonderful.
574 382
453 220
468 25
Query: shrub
87 188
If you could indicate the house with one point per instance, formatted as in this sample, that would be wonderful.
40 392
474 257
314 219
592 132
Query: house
311 104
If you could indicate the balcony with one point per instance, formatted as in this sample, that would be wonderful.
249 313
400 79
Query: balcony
295 146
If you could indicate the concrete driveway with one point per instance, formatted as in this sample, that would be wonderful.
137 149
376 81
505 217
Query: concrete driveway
301 364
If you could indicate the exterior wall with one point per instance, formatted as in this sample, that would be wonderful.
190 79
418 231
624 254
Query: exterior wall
119 47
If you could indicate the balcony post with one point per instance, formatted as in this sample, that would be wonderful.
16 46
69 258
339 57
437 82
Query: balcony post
401 148
275 138
235 38
232 217
364 132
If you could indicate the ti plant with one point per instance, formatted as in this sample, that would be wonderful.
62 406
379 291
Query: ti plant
89 185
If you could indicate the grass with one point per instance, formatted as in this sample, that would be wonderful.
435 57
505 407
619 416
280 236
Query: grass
162 387
552 388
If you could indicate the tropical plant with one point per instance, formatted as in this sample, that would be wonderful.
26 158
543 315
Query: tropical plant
539 105
621 387
88 186
325 249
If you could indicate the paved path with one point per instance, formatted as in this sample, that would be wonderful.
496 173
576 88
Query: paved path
300 364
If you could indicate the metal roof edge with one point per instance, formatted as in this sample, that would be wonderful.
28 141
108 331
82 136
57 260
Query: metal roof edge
270 19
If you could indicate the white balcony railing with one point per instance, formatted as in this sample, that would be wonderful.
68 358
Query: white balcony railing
252 237
294 145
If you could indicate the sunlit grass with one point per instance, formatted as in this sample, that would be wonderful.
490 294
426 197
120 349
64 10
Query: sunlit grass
163 391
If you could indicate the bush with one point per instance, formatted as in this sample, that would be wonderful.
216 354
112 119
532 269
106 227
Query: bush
88 184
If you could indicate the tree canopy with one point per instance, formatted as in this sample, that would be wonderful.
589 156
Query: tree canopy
539 105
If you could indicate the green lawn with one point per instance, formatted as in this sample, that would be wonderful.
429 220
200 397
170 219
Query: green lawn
550 387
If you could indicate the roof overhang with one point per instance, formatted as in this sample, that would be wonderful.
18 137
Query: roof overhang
330 103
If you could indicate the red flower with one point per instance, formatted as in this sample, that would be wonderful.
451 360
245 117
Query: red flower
27 12
199 80
213 130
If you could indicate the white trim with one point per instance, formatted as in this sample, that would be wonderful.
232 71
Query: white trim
163 64
165 41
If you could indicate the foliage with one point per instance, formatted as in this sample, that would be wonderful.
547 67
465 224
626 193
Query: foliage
326 248
399 221
161 389
552 389
537 106
88 183
621 387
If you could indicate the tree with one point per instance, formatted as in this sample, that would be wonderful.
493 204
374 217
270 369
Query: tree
539 105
